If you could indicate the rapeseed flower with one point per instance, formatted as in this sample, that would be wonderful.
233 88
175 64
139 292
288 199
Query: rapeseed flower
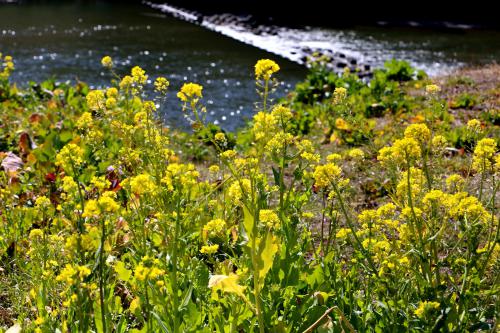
265 68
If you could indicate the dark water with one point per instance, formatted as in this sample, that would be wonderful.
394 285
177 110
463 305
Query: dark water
68 40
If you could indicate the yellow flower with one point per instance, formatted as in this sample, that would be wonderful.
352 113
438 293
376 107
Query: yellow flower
425 308
112 92
228 154
264 68
356 154
281 112
438 143
209 249
161 85
190 92
126 82
474 126
343 233
263 124
92 209
269 218
107 203
324 175
142 184
95 99
214 227
35 234
70 156
419 132
107 62
110 103
333 157
278 142
42 202
407 148
235 190
339 95
432 89
85 120
483 154
139 75
341 124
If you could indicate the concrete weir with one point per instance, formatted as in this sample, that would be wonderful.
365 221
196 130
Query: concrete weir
288 43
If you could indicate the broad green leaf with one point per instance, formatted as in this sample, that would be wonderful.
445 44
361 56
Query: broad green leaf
267 250
248 222
123 273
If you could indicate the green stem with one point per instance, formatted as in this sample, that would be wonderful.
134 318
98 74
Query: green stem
101 275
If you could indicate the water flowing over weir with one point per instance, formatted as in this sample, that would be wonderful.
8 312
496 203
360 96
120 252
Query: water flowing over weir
292 44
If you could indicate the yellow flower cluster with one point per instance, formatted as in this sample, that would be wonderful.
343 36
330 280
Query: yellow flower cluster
432 89
70 156
180 175
282 113
235 190
484 152
209 249
107 62
214 227
263 124
143 184
85 120
71 274
190 92
8 67
143 273
425 308
325 174
161 85
419 132
139 76
264 68
474 126
95 100
339 95
278 142
269 218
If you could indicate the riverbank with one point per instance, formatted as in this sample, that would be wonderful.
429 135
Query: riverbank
343 204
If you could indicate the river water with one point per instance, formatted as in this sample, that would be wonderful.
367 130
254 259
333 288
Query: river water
67 41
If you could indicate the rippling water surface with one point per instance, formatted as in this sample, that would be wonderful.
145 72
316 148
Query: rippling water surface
67 42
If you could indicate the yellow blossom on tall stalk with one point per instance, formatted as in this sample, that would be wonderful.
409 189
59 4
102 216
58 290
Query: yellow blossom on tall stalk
209 249
161 85
426 308
107 62
139 75
269 218
474 126
143 184
282 113
339 95
264 68
484 152
85 120
95 99
70 156
432 89
419 132
263 124
325 174
190 92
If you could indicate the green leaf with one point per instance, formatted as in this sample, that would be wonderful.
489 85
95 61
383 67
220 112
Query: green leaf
248 222
123 273
267 251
